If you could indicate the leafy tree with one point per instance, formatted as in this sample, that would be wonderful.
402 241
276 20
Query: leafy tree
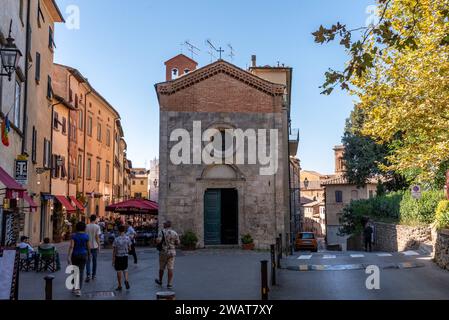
399 71
363 156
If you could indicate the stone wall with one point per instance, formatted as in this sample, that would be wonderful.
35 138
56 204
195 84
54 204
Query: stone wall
442 249
393 237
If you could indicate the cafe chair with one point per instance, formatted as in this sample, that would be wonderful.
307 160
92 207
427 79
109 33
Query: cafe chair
26 261
47 260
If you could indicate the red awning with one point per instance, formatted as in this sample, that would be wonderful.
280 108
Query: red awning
11 184
78 204
135 206
66 203
27 198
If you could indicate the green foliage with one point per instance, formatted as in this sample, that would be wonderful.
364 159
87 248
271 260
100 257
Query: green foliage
420 211
189 239
395 207
247 239
442 214
440 176
363 156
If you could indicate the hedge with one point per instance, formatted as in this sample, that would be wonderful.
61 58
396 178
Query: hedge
398 207
442 215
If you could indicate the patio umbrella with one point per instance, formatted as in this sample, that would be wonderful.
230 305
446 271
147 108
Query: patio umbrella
134 206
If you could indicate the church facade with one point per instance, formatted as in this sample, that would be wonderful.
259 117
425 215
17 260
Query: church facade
234 195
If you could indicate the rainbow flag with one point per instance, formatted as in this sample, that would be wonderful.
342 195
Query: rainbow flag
6 127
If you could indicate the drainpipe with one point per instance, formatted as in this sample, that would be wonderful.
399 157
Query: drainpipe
25 105
68 143
84 143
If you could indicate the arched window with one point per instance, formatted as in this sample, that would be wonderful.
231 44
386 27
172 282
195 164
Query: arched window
186 71
174 73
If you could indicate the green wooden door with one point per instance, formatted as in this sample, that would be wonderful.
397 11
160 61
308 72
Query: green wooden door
212 217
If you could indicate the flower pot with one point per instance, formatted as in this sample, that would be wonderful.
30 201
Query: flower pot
248 246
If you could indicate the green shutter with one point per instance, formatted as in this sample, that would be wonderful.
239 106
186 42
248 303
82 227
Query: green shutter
212 217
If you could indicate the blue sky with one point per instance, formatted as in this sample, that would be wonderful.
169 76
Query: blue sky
121 47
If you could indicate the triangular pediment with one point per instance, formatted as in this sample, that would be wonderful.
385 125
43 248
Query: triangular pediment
220 66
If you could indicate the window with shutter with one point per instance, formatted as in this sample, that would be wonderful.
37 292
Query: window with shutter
49 88
51 41
64 125
38 67
33 145
63 168
55 120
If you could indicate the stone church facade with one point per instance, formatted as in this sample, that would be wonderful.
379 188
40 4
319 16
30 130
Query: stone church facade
222 202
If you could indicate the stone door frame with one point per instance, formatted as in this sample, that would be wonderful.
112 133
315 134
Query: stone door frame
202 186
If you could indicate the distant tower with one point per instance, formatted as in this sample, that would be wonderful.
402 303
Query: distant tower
179 66
340 166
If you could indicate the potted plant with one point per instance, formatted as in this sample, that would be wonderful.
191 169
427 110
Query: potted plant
189 240
247 242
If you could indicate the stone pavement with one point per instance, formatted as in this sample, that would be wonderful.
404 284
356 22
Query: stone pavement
342 276
202 274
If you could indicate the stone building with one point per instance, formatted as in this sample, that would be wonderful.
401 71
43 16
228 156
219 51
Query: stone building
154 180
223 200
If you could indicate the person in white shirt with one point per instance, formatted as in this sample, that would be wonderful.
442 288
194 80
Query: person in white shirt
93 230
131 233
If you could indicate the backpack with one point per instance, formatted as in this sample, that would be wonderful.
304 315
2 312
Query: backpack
160 244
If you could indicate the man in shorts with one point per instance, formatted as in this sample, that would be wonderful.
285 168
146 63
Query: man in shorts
169 239
121 245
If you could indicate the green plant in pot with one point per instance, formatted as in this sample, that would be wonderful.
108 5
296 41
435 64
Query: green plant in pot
189 240
247 242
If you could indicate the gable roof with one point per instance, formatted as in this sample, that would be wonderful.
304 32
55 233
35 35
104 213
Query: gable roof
341 179
210 70
181 56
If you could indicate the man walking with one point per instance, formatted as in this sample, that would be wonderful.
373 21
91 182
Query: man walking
367 234
93 230
131 233
167 241
121 245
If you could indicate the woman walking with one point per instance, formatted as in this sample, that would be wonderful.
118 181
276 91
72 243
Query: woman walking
79 252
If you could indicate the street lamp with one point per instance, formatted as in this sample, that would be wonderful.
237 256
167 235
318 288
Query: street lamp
306 183
9 56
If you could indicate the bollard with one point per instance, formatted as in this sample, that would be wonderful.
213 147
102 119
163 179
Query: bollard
264 279
165 295
49 287
273 265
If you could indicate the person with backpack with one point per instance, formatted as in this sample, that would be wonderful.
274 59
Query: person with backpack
79 253
122 246
167 241
132 234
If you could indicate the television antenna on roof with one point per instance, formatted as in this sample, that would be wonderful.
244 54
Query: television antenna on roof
231 52
191 48
213 48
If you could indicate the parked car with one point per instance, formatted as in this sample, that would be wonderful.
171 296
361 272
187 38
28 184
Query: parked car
306 241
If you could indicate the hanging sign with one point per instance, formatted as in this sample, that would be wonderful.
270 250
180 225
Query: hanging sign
21 171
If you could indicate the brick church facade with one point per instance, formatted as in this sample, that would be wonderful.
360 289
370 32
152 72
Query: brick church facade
222 202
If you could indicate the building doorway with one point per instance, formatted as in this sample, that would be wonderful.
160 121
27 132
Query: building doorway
220 216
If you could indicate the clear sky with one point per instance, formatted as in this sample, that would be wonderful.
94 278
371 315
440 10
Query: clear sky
121 47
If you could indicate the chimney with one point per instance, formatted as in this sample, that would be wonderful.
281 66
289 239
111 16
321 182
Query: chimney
253 61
